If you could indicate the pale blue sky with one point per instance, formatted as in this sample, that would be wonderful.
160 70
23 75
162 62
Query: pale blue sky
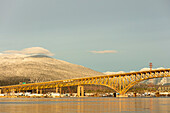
139 30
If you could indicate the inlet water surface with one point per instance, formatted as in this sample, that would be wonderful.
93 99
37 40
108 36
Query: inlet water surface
85 105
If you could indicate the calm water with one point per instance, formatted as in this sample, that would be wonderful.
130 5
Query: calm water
85 105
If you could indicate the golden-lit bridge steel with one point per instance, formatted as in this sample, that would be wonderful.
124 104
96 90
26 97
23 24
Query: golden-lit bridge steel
121 83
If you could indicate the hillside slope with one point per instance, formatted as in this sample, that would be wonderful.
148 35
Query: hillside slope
40 69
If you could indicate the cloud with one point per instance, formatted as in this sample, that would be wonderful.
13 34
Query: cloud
26 52
112 73
147 69
105 51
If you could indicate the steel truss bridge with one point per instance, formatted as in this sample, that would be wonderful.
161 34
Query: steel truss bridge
121 83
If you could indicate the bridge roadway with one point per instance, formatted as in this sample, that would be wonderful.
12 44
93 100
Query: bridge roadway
121 83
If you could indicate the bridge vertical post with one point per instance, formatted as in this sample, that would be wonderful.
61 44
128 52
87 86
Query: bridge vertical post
80 91
0 91
40 91
56 89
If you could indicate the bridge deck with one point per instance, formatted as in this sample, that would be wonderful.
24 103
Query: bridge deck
118 82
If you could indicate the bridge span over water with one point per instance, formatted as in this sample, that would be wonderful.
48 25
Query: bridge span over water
121 83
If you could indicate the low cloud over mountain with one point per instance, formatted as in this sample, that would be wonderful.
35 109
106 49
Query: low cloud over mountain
25 52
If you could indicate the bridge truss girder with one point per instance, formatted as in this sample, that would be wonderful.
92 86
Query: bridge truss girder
121 83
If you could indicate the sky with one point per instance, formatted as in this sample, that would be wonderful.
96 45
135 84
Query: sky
104 35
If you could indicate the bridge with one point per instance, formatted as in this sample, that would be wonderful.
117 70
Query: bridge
121 83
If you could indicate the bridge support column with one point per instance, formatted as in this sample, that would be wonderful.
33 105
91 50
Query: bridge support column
40 91
56 89
80 91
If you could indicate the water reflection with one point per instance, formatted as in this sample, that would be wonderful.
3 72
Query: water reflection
85 105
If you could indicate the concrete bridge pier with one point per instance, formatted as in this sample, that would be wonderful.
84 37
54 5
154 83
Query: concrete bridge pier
121 95
80 91
56 89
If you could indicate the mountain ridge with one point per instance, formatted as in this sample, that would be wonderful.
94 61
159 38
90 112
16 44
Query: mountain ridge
41 69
